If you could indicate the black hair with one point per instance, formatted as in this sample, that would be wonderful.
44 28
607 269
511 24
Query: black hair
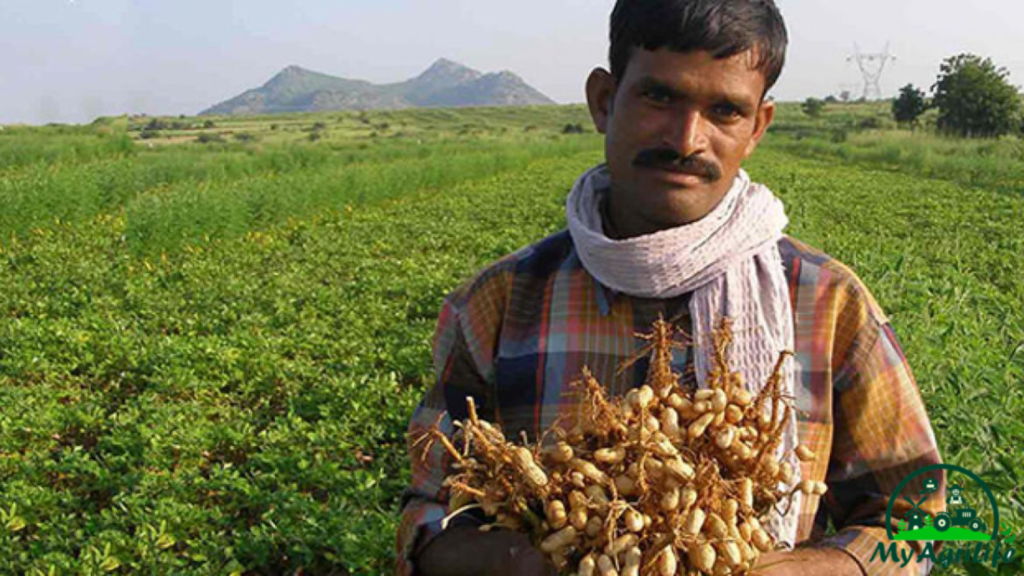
722 27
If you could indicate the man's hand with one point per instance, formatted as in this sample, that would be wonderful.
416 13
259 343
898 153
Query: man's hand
465 550
808 561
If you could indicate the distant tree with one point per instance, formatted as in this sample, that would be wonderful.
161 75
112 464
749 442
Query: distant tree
909 105
209 124
156 124
869 123
831 99
813 107
206 138
845 95
974 98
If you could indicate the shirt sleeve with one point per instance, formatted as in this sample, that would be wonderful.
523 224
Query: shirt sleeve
425 501
882 434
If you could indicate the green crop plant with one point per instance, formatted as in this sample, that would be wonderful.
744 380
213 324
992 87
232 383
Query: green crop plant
207 363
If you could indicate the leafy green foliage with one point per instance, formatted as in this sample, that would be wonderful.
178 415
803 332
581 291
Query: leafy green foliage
209 360
996 164
974 98
813 107
210 138
909 105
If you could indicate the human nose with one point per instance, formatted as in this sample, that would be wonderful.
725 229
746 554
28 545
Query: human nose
687 133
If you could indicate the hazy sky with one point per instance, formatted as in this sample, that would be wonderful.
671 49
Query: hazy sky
73 60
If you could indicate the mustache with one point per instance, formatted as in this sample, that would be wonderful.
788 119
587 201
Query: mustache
669 159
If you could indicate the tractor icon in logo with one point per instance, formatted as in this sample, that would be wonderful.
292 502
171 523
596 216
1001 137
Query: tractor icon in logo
962 516
961 519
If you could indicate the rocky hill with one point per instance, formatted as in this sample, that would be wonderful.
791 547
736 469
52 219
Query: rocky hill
444 84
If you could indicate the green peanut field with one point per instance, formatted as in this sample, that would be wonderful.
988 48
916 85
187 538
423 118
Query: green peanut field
214 332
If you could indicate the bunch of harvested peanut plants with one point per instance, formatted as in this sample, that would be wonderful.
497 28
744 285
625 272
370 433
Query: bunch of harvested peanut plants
662 481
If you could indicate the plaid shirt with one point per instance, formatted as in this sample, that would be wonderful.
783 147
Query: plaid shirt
516 334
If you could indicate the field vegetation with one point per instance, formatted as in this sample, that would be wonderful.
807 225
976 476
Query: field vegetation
210 350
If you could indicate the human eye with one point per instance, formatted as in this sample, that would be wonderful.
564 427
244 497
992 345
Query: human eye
727 111
656 95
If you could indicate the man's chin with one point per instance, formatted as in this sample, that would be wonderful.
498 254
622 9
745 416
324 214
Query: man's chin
676 207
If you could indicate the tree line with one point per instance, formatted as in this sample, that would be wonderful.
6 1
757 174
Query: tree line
973 98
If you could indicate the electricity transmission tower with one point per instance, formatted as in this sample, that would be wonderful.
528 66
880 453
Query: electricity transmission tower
871 67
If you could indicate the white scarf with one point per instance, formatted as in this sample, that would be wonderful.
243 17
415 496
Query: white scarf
730 261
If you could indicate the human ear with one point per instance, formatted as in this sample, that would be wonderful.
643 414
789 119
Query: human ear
600 96
762 120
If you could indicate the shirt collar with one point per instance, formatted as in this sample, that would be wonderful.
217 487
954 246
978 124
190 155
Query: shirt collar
605 296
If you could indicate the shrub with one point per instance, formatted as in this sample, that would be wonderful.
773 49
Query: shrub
156 124
974 98
210 139
870 123
909 106
813 107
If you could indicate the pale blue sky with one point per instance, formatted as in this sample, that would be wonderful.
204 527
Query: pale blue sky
73 60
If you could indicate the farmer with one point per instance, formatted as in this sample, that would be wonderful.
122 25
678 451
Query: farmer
955 499
672 226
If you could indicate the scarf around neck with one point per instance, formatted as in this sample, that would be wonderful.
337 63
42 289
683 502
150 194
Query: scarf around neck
731 263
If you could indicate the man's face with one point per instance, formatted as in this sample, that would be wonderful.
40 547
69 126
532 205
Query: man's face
676 129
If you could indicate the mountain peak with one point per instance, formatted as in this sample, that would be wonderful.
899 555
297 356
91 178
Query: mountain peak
446 72
444 83
446 64
289 74
293 70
